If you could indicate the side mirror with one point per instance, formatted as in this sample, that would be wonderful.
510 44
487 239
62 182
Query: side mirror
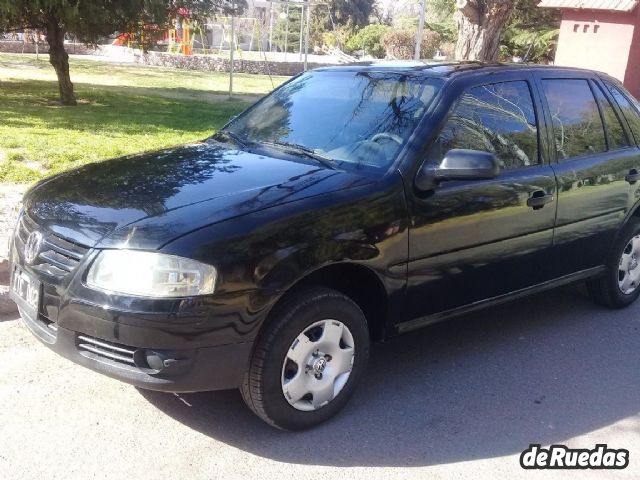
458 164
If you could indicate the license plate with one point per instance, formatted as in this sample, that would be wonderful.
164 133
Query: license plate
26 287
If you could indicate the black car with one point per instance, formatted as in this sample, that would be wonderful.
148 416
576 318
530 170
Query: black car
352 204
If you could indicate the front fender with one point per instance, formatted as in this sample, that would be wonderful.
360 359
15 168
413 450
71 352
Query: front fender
262 254
634 204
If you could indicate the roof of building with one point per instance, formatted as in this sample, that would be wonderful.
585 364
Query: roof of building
611 5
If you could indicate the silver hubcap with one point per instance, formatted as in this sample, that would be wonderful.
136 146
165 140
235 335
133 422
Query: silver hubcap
317 365
628 271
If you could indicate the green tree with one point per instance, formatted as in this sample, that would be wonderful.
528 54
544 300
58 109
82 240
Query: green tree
527 14
401 44
480 25
291 23
531 31
90 20
532 44
339 14
355 12
369 39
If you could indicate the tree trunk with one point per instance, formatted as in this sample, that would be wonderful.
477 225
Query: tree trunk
59 58
480 24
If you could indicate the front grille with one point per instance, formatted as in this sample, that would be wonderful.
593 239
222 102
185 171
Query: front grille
96 348
57 256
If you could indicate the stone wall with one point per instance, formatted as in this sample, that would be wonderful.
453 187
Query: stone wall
14 46
207 63
217 64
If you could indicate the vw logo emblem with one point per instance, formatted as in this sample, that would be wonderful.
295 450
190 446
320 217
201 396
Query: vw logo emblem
319 365
32 246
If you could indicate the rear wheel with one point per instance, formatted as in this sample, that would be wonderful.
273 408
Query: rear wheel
619 286
308 360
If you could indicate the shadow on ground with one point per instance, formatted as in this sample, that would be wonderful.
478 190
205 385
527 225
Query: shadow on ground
539 370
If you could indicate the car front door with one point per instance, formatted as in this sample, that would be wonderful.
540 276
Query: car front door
476 240
596 168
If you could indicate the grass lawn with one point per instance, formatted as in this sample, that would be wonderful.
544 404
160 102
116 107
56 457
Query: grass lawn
122 109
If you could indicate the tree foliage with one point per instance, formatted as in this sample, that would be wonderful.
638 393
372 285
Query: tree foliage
489 28
531 45
369 39
90 20
531 31
346 15
527 14
354 12
400 44
287 30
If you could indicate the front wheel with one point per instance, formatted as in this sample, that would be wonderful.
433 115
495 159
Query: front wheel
308 360
620 284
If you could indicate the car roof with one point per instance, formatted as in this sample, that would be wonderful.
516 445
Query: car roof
444 68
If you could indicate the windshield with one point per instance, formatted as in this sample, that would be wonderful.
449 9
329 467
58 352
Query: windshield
353 119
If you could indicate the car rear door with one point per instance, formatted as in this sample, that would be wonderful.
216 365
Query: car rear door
596 166
476 240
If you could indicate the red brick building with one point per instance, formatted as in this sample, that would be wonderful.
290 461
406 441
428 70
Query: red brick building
601 35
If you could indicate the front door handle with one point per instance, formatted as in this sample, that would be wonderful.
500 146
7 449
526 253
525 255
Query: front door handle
633 176
539 199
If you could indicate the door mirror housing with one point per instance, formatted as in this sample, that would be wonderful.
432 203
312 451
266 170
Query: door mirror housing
458 164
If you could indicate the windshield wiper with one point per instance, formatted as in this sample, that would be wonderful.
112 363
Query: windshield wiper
302 150
226 135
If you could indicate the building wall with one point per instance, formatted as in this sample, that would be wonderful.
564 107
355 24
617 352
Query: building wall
602 40
632 75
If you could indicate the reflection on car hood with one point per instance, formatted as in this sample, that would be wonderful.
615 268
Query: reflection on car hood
146 200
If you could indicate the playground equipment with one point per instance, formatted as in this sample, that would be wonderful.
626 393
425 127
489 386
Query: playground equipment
187 37
305 11
32 36
234 34
179 40
237 31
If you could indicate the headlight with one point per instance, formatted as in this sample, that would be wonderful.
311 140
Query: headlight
149 274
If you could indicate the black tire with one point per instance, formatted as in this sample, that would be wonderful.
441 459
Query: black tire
604 290
262 384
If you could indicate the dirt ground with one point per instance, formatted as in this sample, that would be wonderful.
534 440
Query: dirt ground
460 400
10 196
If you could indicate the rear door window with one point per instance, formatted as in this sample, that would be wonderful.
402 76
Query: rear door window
577 126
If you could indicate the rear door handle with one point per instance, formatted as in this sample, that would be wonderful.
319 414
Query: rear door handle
633 176
539 199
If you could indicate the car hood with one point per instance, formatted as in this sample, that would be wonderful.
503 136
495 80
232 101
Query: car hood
147 200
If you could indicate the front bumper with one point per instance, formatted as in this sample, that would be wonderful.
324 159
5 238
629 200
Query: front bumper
200 369
178 345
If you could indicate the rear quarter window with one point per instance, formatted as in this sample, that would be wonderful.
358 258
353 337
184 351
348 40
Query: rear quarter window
629 110
616 137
